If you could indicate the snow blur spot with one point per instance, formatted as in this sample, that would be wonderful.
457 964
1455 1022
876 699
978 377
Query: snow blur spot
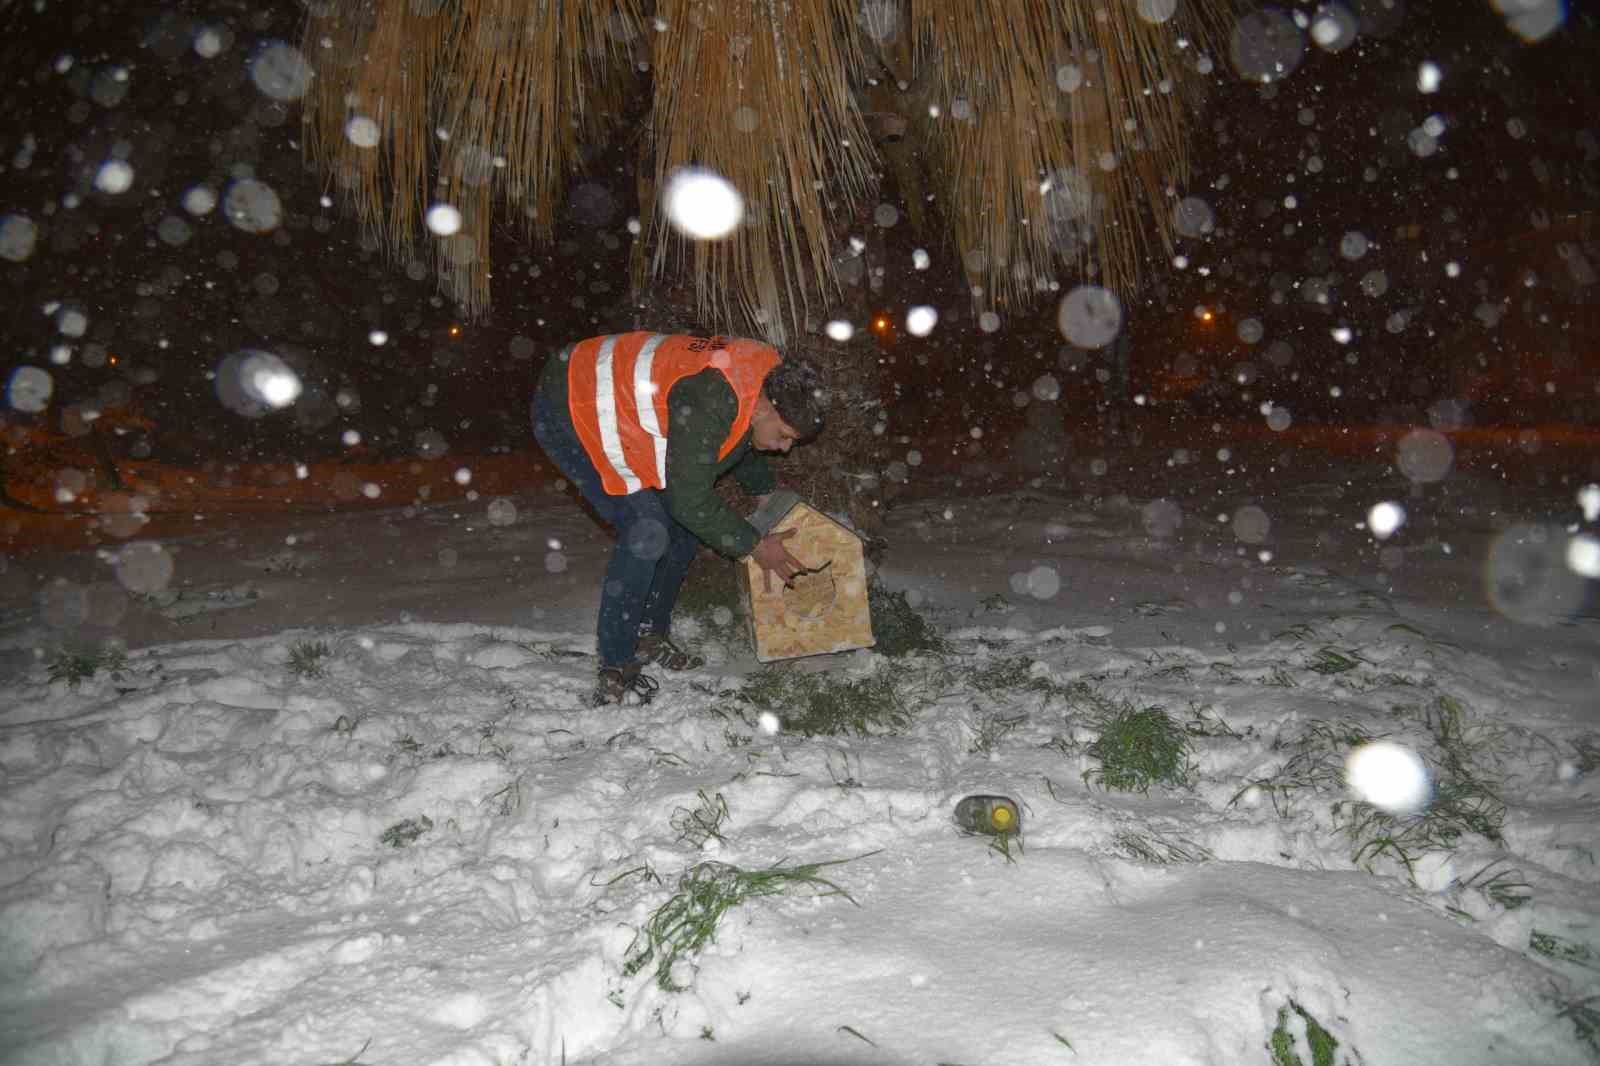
1334 27
1162 518
1589 501
252 382
886 215
769 723
1193 217
252 206
29 389
1278 418
114 176
361 131
1354 245
989 322
72 322
502 512
444 220
378 338
555 562
1251 330
1046 387
1090 316
280 71
1390 776
920 320
144 567
174 231
18 234
840 330
430 444
1157 11
920 259
702 204
1251 524
1069 77
880 20
1043 582
1375 283
1425 455
448 557
210 41
200 200
1429 76
1384 518
1532 20
1583 555
1528 577
746 119
1266 45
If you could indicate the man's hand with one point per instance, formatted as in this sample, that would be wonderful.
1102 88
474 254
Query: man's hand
771 555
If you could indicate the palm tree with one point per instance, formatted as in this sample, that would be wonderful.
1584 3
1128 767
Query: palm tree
1049 133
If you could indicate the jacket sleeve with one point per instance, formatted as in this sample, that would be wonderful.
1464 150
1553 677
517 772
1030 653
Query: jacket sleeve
754 474
701 410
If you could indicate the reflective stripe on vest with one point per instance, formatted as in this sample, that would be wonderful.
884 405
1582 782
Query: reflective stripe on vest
617 394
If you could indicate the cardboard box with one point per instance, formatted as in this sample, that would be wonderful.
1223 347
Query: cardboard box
821 611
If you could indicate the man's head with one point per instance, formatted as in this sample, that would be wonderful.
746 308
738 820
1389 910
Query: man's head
789 410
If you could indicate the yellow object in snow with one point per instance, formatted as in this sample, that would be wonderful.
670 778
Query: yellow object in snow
994 815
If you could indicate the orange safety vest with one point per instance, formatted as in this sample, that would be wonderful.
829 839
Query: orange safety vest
617 394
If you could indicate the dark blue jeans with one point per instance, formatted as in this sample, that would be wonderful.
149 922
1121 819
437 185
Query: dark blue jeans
653 551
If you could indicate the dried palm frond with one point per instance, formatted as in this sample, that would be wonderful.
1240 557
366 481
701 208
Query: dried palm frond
759 91
1060 133
472 101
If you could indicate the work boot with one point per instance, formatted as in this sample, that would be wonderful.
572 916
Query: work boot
660 648
618 685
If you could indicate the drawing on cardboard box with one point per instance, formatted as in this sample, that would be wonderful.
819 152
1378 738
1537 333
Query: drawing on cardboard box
821 611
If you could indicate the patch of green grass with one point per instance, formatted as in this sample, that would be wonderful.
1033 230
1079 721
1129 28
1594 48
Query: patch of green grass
306 659
897 627
991 730
1286 1048
687 922
1331 660
1552 946
823 705
1316 765
702 822
1138 747
1204 721
1585 1019
1588 753
855 1033
1278 677
709 584
1155 848
405 833
76 667
1504 887
1465 799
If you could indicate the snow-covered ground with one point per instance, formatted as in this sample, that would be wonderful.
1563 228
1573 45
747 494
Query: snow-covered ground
435 853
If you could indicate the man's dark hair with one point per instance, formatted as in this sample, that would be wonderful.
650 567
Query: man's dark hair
795 388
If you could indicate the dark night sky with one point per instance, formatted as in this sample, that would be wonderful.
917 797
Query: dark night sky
166 294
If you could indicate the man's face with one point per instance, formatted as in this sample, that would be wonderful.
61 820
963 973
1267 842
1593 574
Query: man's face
769 432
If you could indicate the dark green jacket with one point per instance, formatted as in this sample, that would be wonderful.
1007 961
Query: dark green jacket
701 409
